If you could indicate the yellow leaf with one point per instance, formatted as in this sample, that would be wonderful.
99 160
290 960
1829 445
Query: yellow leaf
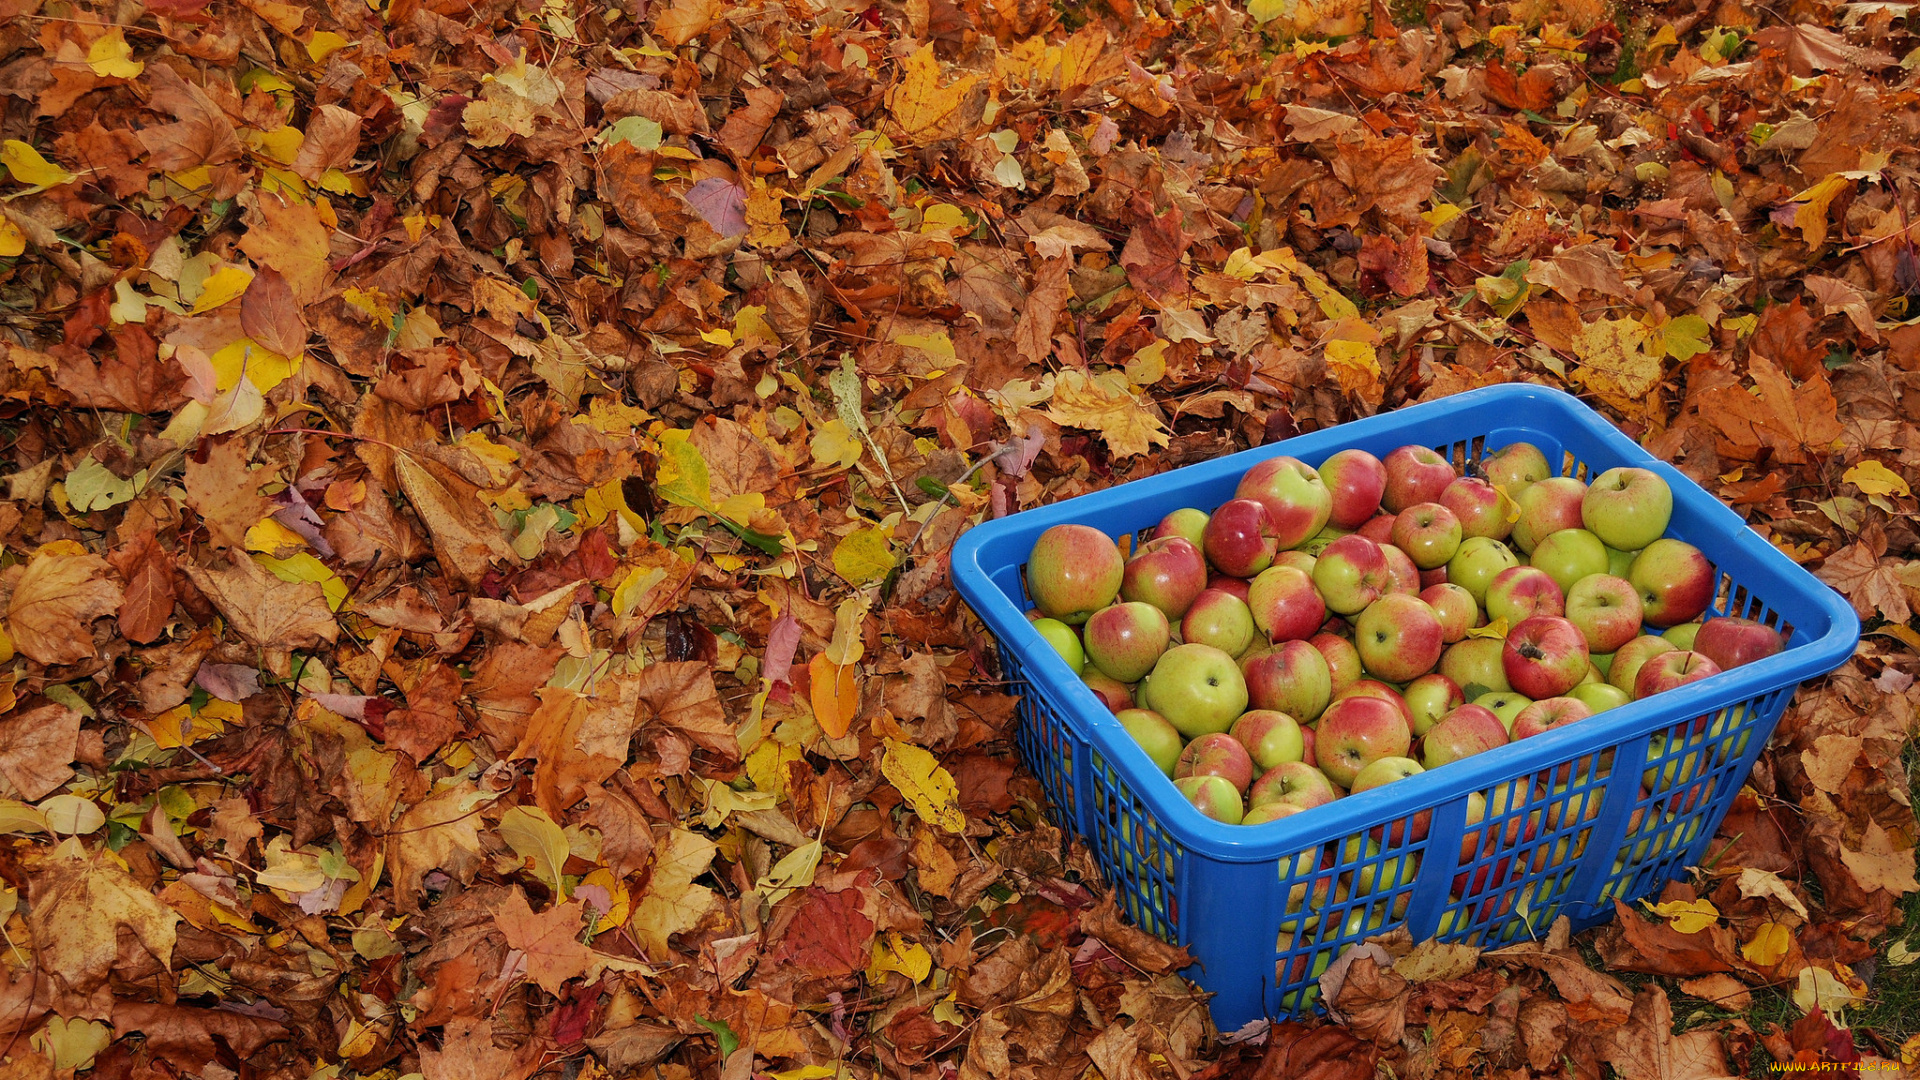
1811 218
28 167
1827 991
846 646
1105 403
269 537
325 43
894 953
264 369
682 476
535 837
305 566
834 694
1496 629
622 900
794 871
927 106
181 726
18 817
863 556
1874 478
1356 367
928 788
834 446
72 1044
71 815
766 225
223 286
1688 916
111 57
1615 363
12 240
673 903
1441 214
1770 944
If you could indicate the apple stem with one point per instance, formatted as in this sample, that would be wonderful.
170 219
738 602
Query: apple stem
1529 650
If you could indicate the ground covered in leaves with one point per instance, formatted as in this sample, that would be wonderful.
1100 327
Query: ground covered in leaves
481 473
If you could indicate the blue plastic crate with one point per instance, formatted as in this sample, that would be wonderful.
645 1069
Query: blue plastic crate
1262 908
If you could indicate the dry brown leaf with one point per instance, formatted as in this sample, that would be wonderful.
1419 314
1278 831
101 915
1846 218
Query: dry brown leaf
59 594
225 491
1879 864
265 610
549 943
37 748
81 903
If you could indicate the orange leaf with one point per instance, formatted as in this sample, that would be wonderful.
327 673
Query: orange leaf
835 696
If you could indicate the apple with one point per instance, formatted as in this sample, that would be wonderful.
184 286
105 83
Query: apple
1462 733
1415 474
1155 736
1356 731
1213 796
1343 660
1547 714
1569 555
1294 783
1628 658
1306 747
1074 571
1356 480
1285 605
1293 678
1064 641
1270 737
1475 662
1295 559
1546 508
1187 523
1431 697
1569 806
1670 763
1481 508
1404 577
1479 560
1318 542
1675 582
1113 693
1386 771
1198 688
1521 592
1167 573
1606 610
1619 562
1428 532
1734 640
1125 640
1515 467
1379 528
1506 705
1599 696
1220 619
1373 873
1297 500
1671 669
1455 608
1399 638
1241 538
1274 811
1683 636
1303 972
1373 688
1216 754
1545 656
1352 572
1435 576
1233 586
1627 508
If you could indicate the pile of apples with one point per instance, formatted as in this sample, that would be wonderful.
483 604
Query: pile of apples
1330 630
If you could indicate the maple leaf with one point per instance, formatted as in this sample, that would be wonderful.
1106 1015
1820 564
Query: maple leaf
1153 255
1873 584
82 901
225 492
293 239
1393 175
1878 864
1615 364
439 832
548 942
468 1053
673 903
1105 403
1798 423
62 590
201 134
265 609
928 108
37 747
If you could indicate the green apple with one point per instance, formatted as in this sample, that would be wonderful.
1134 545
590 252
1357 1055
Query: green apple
1619 561
1599 696
1505 705
1064 641
1475 564
1198 688
1475 662
1627 507
1682 636
1515 467
1154 734
1569 555
1187 523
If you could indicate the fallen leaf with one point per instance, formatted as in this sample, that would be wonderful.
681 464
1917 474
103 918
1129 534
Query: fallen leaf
61 592
930 789
548 943
82 902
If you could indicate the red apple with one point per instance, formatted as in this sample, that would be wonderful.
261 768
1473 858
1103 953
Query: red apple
1546 508
1220 619
1296 499
1216 754
1415 474
1462 733
1306 747
1521 592
1270 737
1544 716
1455 608
1234 586
1373 688
1379 528
1607 611
1296 559
1125 640
1285 605
1734 640
1356 480
1293 678
1671 669
1213 796
1241 538
1167 573
1545 656
1357 731
1352 572
1403 577
1480 507
1675 582
1074 571
1430 578
1343 660
1113 693
1428 532
1399 638
1628 658
1431 697
1293 783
